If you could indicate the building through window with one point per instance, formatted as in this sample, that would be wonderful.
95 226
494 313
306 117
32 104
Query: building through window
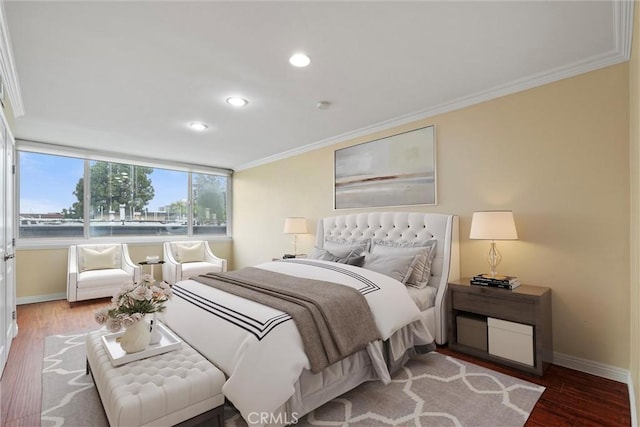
66 197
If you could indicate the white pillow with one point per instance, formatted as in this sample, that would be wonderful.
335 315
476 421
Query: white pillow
93 259
424 251
342 247
397 267
190 252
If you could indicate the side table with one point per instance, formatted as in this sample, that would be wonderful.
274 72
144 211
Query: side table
152 264
511 327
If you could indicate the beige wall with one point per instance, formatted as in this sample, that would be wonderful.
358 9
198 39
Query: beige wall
42 272
634 151
556 155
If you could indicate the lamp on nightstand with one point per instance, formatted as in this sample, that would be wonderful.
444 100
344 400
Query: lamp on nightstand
493 225
295 225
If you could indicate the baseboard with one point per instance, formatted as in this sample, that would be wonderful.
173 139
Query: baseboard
40 298
632 401
590 367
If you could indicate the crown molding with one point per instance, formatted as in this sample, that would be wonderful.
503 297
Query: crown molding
8 66
623 26
623 30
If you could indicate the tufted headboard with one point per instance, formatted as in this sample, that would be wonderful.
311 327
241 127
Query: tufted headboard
407 226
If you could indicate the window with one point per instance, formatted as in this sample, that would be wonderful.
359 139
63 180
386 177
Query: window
137 200
121 199
48 187
209 193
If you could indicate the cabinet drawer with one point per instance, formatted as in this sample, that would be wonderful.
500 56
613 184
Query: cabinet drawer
494 306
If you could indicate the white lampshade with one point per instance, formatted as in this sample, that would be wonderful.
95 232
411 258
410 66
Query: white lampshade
295 225
493 225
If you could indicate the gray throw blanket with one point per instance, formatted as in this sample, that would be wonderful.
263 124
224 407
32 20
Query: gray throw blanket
334 321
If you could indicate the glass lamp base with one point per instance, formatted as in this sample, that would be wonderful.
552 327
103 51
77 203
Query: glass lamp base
494 259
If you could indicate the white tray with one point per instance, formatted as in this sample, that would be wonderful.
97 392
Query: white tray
168 342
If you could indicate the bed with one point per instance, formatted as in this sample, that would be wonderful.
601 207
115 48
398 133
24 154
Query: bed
262 354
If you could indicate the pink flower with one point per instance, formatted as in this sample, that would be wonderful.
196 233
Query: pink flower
127 287
133 301
142 293
102 315
160 294
113 325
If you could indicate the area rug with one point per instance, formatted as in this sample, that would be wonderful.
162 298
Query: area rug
431 390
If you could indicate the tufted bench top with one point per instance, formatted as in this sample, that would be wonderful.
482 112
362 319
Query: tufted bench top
162 390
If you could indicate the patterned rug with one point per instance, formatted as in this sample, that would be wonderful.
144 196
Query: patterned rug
431 390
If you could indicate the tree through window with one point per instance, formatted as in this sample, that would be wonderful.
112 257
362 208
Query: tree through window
123 199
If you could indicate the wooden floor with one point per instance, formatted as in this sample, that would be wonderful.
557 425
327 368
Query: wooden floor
572 398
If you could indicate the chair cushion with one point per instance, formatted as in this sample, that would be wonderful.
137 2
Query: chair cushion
191 269
98 257
189 252
97 278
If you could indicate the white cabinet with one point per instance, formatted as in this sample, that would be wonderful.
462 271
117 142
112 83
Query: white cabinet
511 340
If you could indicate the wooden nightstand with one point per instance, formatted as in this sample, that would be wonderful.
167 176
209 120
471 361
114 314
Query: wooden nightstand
517 324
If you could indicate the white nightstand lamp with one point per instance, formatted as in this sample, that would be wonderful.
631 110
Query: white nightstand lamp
295 226
493 225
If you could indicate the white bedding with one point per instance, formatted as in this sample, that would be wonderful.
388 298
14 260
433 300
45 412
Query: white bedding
259 348
424 298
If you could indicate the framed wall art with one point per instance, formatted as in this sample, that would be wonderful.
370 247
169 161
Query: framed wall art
398 170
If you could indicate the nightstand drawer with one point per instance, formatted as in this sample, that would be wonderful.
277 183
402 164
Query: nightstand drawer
490 305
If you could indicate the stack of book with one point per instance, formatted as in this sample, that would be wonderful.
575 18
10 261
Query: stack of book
504 282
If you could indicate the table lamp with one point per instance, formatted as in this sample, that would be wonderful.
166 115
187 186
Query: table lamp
493 225
295 225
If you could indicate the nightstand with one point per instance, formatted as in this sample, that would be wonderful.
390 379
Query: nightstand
511 327
297 256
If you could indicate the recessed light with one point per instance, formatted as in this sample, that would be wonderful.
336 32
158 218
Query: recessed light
323 105
299 60
236 101
198 126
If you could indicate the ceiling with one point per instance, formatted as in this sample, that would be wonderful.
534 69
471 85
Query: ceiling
128 77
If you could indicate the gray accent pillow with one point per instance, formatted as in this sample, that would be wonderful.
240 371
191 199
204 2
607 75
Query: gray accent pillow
352 258
342 247
397 267
424 252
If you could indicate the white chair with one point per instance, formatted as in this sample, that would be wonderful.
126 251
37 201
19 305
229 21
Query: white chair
98 271
187 259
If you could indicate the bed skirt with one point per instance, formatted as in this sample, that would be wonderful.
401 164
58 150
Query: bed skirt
314 390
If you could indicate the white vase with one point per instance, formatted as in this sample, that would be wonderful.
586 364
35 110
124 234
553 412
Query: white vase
156 335
136 337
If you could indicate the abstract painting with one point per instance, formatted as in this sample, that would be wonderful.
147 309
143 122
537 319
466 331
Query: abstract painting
398 170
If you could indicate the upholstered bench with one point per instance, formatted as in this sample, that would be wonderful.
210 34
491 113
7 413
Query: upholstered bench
177 387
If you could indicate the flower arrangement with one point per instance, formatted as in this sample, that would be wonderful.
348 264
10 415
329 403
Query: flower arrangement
132 302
